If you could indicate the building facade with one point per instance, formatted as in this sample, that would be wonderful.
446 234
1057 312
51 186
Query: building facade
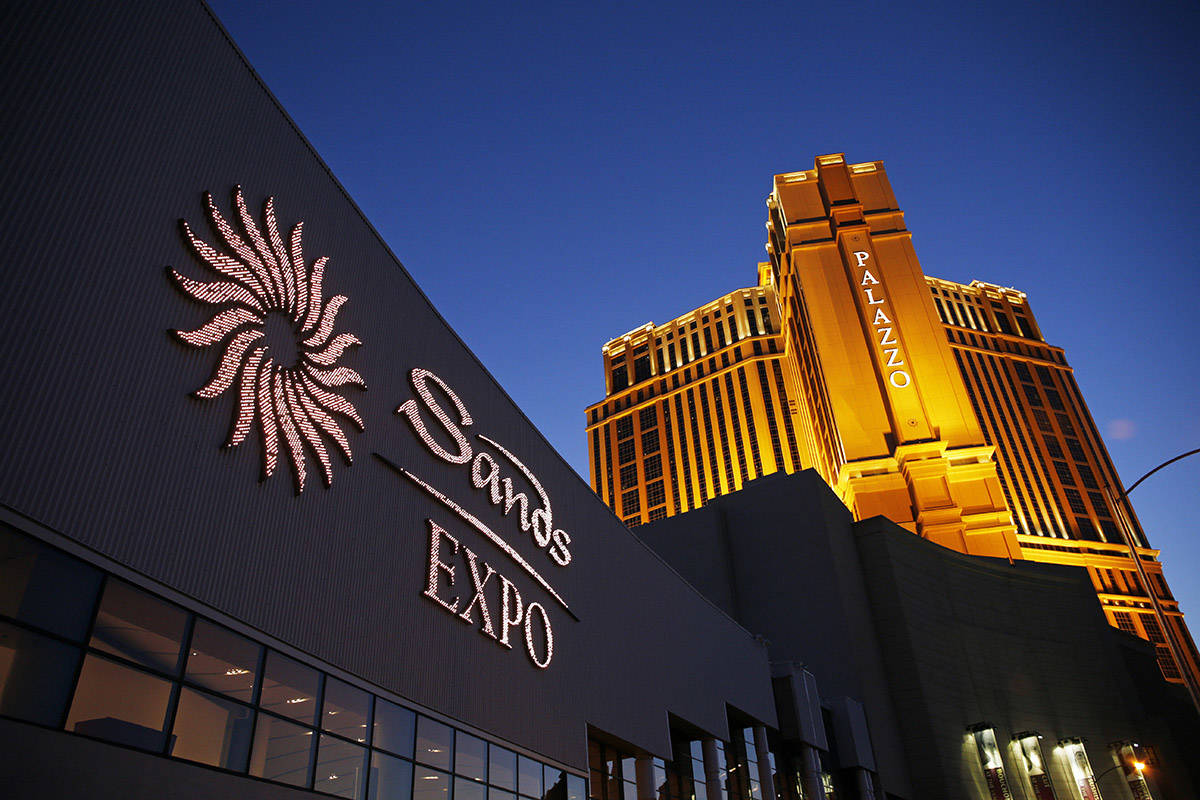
937 405
269 530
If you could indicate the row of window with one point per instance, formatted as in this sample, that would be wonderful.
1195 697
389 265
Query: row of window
91 654
672 352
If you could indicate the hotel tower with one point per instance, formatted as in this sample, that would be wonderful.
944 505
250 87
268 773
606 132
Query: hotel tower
935 404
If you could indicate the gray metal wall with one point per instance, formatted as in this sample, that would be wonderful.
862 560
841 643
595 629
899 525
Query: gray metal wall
117 118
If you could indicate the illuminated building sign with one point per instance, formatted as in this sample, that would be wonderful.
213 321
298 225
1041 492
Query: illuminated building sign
881 322
1079 768
287 381
453 567
1028 747
991 762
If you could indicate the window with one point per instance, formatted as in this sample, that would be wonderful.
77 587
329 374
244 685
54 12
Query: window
1053 447
648 417
652 467
212 730
625 452
620 378
1124 622
36 680
346 711
625 427
641 368
120 704
1076 450
630 503
290 688
470 756
435 743
1055 399
222 661
45 588
1076 501
1064 472
1031 394
629 476
650 443
1023 372
1085 475
282 751
655 494
394 728
139 627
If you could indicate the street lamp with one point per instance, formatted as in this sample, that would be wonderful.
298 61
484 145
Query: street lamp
1119 500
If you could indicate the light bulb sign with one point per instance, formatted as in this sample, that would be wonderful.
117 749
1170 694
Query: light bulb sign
460 581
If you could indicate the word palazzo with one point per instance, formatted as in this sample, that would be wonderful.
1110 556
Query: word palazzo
513 613
884 327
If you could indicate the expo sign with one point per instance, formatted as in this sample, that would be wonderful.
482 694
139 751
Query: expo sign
458 578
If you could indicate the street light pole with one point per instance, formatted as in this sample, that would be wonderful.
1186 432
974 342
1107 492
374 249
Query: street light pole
1119 501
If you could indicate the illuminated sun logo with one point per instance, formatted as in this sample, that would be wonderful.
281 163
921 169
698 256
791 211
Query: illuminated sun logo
277 334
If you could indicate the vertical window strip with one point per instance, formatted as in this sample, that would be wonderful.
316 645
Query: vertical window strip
727 457
714 469
1008 467
597 479
772 424
786 410
669 430
608 465
701 481
737 426
1032 471
750 427
685 455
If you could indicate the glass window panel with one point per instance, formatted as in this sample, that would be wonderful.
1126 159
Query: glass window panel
429 784
391 778
576 787
341 768
346 710
290 688
435 743
529 777
120 704
465 789
502 768
212 730
500 794
44 587
394 728
35 675
470 756
139 627
282 751
630 790
222 661
556 783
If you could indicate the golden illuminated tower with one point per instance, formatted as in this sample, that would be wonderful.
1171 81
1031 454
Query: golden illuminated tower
935 404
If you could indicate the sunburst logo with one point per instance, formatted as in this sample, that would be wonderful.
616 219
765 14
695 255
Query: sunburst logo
277 333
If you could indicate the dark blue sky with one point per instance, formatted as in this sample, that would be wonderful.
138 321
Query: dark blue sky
554 175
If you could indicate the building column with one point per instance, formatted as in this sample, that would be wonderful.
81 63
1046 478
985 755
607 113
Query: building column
810 773
762 753
644 773
866 788
712 770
